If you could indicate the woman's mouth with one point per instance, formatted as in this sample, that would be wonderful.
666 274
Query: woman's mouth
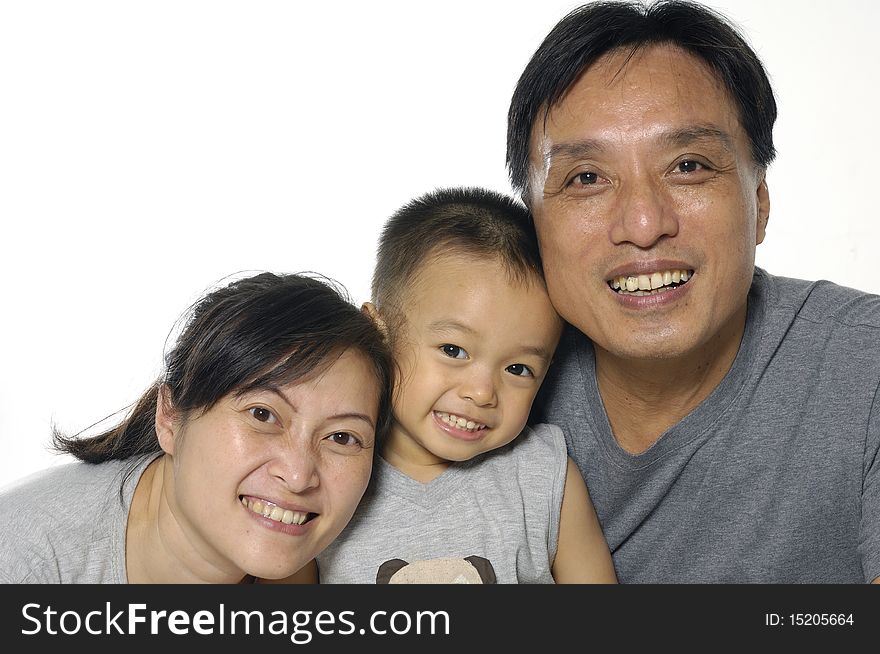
275 512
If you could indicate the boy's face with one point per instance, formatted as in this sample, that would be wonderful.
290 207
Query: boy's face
472 350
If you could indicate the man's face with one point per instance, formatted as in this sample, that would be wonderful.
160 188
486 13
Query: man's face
648 205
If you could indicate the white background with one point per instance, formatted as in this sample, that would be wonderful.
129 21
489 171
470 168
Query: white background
149 149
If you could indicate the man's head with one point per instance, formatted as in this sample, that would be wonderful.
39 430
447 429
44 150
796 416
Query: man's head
639 138
593 30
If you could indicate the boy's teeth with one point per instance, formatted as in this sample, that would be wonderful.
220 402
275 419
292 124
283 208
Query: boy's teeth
647 284
275 513
461 423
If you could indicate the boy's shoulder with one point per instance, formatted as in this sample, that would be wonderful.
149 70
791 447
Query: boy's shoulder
542 442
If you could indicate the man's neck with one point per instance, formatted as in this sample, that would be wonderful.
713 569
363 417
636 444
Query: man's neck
643 398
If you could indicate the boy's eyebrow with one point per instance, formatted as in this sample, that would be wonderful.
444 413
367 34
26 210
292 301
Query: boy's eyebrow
446 325
453 325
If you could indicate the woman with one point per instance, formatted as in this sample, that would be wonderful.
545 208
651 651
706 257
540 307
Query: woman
244 460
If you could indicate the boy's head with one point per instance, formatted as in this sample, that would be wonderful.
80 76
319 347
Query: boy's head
459 291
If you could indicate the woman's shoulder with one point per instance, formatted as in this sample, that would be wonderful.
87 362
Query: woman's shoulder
60 509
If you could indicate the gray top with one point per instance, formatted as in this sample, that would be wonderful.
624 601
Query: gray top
774 478
497 513
66 524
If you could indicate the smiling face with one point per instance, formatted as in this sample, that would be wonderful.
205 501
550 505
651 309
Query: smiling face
261 483
472 350
648 206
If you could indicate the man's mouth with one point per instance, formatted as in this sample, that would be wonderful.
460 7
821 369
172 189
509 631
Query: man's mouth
276 513
651 283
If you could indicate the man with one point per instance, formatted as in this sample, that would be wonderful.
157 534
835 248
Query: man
727 421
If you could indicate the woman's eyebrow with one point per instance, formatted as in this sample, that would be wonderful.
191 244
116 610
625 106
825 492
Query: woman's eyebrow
336 416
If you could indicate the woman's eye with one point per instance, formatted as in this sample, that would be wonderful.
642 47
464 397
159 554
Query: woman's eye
520 370
262 414
453 351
343 438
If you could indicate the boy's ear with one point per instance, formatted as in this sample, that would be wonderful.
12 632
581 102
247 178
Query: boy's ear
369 309
166 420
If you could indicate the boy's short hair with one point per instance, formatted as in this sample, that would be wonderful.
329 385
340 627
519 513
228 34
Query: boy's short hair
468 220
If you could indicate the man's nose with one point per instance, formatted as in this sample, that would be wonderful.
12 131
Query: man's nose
642 215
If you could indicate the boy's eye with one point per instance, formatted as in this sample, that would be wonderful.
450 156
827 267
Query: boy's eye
262 414
453 351
520 370
343 438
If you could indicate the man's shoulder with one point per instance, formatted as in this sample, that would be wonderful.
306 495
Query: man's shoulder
820 301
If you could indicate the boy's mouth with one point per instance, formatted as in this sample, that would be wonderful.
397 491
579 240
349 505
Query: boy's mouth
458 422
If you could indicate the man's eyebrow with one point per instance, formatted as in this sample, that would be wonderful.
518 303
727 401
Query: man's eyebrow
582 149
586 148
687 135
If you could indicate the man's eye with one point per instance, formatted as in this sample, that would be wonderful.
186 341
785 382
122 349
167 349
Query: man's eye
585 179
344 438
262 414
689 166
520 370
453 351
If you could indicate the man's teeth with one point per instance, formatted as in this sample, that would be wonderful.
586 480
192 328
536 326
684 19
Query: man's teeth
460 423
275 513
658 282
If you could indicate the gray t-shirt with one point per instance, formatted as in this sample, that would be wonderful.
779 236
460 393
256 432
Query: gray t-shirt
66 524
494 515
774 478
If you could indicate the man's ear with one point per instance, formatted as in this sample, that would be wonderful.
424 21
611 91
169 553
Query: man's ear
166 420
763 210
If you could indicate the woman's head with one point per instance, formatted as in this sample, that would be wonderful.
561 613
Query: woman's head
268 412
260 331
264 332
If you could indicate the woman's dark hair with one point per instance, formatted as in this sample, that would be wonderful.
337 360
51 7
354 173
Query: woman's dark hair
595 29
263 331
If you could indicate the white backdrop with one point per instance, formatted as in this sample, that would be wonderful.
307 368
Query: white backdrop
148 149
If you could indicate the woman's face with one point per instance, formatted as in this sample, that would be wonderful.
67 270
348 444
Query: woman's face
261 483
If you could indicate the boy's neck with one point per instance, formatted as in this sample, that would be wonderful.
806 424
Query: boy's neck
407 456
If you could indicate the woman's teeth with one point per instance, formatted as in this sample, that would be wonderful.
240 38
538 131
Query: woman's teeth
460 423
275 513
658 282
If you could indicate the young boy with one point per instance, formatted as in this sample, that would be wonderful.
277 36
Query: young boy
463 491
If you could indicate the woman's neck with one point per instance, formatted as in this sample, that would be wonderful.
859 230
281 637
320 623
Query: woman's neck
157 550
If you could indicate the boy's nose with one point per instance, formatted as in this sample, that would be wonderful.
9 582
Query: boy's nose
479 388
